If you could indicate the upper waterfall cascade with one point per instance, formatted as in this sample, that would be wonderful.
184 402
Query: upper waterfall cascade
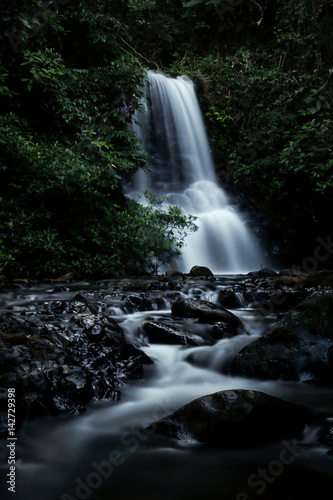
172 131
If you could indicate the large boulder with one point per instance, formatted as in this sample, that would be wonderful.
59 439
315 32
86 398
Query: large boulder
235 418
267 272
201 271
206 312
159 333
297 348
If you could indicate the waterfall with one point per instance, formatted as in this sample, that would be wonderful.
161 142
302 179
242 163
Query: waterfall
172 131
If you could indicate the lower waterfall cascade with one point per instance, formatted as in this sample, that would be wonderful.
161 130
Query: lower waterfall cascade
181 167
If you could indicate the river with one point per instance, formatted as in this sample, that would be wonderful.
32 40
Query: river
107 453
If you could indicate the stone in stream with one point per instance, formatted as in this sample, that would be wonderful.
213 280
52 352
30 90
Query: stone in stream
235 418
99 327
299 347
221 330
160 333
138 303
206 312
201 271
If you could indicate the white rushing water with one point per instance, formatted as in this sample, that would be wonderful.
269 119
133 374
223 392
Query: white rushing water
181 166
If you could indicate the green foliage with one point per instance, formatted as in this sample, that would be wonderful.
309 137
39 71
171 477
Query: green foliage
266 92
157 231
66 80
67 73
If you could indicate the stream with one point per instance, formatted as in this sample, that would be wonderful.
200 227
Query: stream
109 453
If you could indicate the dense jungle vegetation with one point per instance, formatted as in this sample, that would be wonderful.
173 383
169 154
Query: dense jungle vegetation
69 69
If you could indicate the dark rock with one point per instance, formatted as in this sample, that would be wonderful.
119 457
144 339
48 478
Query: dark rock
99 327
128 361
174 275
34 406
227 298
290 272
326 435
69 307
206 312
323 279
77 386
273 301
221 330
163 334
138 302
235 418
57 366
267 272
198 271
299 347
317 280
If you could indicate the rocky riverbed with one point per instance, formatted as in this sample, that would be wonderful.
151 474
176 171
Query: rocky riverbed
194 373
62 347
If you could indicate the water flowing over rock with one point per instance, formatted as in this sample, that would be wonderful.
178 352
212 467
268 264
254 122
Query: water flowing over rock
299 347
163 334
234 418
206 312
172 131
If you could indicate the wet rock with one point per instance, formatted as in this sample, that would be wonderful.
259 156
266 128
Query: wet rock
274 300
202 271
299 347
77 385
59 364
138 302
127 361
67 307
235 418
174 275
221 330
267 272
99 327
233 297
160 333
206 312
290 272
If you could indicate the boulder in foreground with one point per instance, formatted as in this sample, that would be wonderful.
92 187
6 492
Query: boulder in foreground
235 418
